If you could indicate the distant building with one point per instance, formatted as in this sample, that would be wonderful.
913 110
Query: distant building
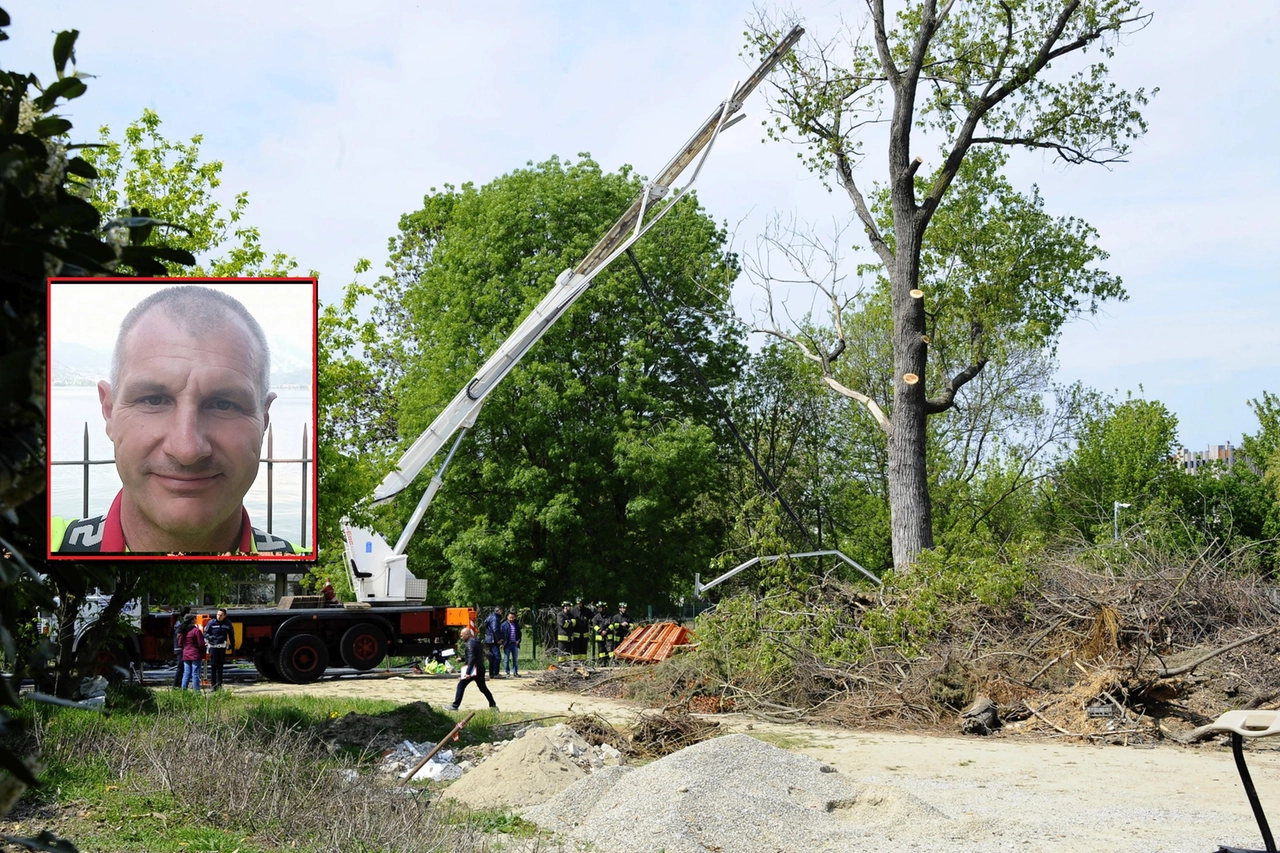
1226 455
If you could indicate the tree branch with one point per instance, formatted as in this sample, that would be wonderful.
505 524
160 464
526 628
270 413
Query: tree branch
1182 670
1020 77
882 42
872 405
1067 152
844 174
947 398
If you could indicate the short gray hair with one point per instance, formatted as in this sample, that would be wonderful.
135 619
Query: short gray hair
199 310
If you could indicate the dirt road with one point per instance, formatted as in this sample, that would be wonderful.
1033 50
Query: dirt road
1035 795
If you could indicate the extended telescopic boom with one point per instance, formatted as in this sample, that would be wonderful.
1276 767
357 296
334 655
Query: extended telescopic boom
460 414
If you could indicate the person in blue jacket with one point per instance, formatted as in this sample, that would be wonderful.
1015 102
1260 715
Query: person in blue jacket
493 640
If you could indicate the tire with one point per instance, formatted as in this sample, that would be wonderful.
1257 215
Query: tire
303 659
363 646
267 665
111 662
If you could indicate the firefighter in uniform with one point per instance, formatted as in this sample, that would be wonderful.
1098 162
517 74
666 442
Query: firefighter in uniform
566 627
581 624
619 627
600 629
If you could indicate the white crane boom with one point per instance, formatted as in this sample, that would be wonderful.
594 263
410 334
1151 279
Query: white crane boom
378 570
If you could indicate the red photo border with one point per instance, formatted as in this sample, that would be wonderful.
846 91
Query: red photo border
306 559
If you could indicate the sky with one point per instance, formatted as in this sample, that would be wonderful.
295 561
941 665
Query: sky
340 118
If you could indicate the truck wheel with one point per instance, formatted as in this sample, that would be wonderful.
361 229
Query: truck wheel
303 658
363 647
266 665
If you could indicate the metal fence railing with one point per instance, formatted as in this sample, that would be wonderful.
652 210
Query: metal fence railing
270 460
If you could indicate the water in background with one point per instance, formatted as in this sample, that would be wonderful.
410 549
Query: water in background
72 406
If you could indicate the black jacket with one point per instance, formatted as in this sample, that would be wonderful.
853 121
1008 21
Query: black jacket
219 634
473 655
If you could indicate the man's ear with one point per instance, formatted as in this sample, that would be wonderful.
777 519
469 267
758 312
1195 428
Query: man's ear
107 402
266 414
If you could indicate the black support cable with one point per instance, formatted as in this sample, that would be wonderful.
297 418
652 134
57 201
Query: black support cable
720 408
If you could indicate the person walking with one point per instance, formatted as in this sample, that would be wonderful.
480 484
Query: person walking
511 634
220 638
493 640
472 669
192 653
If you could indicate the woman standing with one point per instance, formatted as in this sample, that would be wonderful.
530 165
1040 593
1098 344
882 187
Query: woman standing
472 669
192 653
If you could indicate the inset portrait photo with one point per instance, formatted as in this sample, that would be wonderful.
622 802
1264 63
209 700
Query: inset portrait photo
182 416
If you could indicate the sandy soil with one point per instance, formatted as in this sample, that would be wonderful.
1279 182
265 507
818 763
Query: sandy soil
1037 795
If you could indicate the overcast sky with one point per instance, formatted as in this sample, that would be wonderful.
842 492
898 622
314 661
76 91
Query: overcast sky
338 118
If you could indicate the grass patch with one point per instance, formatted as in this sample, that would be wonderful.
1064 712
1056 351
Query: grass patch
505 822
176 771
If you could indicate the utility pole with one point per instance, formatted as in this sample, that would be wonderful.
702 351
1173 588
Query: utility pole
1115 519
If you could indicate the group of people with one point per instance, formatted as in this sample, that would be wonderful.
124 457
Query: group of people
191 642
502 638
588 634
583 633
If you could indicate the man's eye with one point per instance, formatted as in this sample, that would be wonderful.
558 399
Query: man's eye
225 406
153 400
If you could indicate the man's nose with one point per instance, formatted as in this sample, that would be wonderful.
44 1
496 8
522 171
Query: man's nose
186 442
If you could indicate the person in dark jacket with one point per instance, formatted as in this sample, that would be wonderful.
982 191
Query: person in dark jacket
472 669
177 647
220 637
511 634
619 628
566 627
582 614
600 628
493 640
192 653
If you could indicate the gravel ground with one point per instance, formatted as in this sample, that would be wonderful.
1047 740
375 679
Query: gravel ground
1033 795
736 794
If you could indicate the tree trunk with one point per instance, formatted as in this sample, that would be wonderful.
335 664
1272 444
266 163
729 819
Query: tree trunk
911 519
67 680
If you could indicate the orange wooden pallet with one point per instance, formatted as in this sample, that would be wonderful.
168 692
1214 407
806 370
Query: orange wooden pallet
652 643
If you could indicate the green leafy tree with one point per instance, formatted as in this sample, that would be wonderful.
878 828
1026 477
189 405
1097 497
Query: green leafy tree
145 171
46 228
1125 454
588 466
968 80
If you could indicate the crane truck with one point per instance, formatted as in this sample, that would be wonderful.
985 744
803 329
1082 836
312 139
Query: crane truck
389 615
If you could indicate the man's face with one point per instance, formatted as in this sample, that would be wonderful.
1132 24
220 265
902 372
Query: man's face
187 422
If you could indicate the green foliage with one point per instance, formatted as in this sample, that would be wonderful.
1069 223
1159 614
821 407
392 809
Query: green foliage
589 465
924 599
147 171
1125 453
1000 274
974 273
505 822
46 228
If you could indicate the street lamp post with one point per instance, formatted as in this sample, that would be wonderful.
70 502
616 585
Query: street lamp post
1115 519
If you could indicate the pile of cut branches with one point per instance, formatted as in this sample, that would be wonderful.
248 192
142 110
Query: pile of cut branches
1102 643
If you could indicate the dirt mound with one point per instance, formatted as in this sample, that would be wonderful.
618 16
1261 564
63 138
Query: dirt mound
736 794
527 771
378 732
